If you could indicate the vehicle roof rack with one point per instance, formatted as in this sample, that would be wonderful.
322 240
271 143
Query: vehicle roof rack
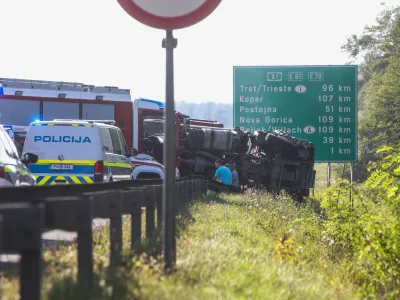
109 122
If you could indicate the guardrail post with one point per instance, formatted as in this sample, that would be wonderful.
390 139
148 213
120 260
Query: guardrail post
1 233
198 188
190 190
31 253
22 232
84 217
115 228
194 186
150 217
75 214
158 197
179 191
109 204
200 185
182 195
133 201
186 192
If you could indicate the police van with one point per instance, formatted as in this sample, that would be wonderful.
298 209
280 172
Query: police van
78 152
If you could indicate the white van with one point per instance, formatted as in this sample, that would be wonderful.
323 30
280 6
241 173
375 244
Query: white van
77 152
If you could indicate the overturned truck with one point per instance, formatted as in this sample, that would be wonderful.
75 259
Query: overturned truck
273 161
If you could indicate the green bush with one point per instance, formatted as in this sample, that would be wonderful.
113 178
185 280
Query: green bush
367 229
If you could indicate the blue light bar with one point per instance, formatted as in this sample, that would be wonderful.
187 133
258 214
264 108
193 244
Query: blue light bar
7 127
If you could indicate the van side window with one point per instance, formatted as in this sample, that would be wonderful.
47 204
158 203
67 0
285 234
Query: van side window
123 143
106 138
115 141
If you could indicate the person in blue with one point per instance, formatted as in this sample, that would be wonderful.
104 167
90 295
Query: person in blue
222 174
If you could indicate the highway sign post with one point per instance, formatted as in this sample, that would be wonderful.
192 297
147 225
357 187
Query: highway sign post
317 103
169 15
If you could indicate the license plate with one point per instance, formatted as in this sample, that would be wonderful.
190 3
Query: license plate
62 167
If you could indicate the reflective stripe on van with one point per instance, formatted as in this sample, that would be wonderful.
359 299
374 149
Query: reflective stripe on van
52 180
82 172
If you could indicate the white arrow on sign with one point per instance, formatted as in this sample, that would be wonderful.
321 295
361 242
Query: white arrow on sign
309 129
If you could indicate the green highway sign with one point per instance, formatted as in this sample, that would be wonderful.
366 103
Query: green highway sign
316 103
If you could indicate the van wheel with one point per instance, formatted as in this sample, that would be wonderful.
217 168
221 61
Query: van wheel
111 180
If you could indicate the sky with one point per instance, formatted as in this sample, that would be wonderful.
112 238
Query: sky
97 42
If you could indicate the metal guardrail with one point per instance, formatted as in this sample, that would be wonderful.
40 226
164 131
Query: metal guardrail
26 211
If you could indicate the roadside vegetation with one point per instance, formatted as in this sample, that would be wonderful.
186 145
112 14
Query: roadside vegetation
259 247
377 52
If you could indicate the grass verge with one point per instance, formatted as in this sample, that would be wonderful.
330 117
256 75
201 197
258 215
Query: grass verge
259 247
235 247
252 247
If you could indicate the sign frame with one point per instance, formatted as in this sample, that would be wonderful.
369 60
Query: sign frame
169 23
304 68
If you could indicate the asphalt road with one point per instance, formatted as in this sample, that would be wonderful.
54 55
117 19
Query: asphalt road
49 238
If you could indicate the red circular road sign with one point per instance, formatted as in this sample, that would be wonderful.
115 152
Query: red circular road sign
169 14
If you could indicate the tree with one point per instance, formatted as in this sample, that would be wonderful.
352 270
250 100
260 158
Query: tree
378 48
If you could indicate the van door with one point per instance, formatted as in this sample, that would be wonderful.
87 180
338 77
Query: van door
125 158
118 161
108 150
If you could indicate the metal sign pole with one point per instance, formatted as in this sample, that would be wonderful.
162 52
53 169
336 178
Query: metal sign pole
169 243
351 184
328 178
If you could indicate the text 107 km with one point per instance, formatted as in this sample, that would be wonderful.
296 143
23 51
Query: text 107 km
330 98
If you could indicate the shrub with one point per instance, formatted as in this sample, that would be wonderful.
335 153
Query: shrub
367 229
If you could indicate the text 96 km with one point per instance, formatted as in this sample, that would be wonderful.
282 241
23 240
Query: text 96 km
326 88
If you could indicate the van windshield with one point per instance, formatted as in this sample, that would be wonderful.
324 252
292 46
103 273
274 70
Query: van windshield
64 142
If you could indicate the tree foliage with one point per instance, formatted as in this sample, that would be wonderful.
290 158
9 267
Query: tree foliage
378 48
